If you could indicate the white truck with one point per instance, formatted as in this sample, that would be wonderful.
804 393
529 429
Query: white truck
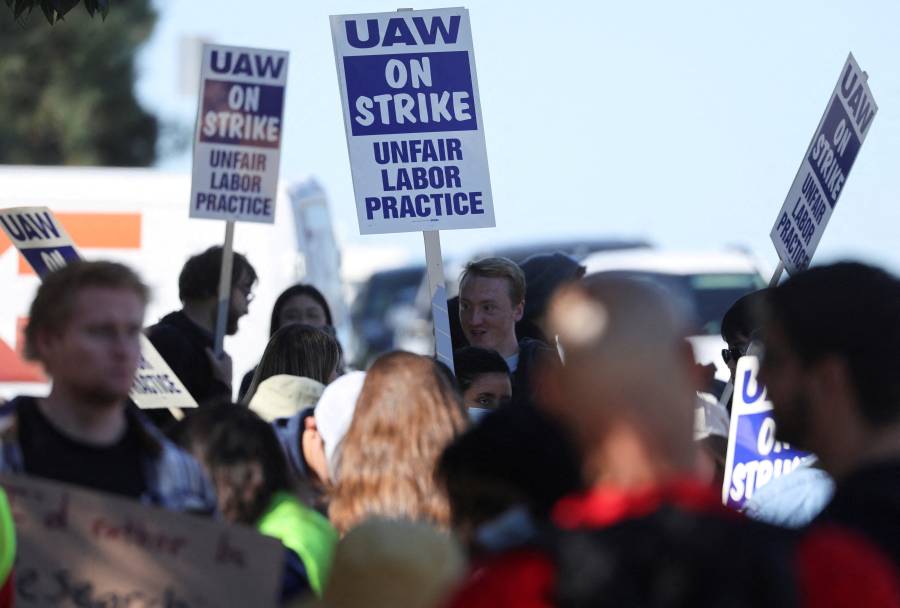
140 217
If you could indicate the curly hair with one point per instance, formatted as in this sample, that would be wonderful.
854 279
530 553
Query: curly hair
406 415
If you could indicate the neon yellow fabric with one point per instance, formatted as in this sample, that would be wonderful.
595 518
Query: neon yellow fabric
7 538
303 530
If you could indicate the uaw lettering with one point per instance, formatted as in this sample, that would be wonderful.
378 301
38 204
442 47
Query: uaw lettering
755 456
412 118
824 170
238 140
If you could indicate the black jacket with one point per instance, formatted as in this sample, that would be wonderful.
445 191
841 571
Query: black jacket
532 355
183 343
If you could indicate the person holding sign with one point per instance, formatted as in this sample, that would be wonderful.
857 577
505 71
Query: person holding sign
491 302
832 351
184 338
85 329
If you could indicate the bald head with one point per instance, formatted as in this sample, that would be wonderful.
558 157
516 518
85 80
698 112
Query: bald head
627 364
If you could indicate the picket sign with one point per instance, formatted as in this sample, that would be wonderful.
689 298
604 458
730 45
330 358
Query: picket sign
415 134
823 172
754 456
77 547
237 147
824 169
44 243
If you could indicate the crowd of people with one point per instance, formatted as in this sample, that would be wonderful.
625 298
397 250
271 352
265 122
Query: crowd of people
574 456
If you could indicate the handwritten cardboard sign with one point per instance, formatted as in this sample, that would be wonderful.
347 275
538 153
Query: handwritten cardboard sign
82 548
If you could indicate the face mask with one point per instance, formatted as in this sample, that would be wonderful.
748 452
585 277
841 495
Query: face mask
477 413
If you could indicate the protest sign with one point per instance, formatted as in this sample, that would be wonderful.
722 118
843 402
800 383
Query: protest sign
754 456
824 169
81 548
413 120
45 244
237 144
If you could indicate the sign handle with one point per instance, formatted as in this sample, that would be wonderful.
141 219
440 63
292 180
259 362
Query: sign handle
443 346
224 288
776 276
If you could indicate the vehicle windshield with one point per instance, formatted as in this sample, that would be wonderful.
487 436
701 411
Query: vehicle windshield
707 295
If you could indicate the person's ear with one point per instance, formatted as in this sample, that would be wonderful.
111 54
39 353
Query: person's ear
519 311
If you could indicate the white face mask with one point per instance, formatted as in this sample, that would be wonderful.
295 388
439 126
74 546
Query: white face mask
477 413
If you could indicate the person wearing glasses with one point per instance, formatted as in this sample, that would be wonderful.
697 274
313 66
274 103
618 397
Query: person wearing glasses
185 337
741 326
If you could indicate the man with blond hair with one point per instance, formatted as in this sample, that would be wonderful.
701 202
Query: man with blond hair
85 329
491 302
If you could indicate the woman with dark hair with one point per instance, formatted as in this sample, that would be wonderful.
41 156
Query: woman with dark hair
300 303
243 458
298 362
407 412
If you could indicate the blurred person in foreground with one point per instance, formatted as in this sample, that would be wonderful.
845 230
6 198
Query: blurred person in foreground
504 474
831 361
648 533
240 452
407 412
185 338
544 274
491 302
84 327
300 303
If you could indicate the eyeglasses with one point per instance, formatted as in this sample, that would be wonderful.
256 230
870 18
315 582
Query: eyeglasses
732 354
246 292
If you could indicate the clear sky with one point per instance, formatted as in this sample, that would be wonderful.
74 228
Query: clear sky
681 122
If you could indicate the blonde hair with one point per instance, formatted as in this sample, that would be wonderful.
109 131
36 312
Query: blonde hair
407 412
497 268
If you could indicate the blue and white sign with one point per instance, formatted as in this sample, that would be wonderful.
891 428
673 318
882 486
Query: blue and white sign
413 120
754 456
824 170
237 145
46 245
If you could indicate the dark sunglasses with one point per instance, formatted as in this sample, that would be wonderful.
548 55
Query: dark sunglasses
732 354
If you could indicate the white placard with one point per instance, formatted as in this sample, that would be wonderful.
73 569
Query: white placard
237 142
824 170
415 131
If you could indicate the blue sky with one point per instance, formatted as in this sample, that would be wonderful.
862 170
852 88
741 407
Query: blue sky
680 122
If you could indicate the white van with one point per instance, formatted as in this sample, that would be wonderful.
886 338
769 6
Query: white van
140 217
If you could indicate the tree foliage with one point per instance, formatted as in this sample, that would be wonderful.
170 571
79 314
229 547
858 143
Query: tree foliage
55 10
67 91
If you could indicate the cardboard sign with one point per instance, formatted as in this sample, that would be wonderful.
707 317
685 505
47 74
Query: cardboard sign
237 144
754 456
83 548
412 115
46 245
824 170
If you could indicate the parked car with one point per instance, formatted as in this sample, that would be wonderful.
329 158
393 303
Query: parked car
371 314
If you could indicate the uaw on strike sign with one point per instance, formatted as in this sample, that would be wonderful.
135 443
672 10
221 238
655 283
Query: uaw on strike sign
237 145
824 169
413 120
755 457
46 245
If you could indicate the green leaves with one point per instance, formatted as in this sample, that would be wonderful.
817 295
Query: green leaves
55 10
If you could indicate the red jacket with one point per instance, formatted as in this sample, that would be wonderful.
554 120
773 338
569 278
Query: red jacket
830 567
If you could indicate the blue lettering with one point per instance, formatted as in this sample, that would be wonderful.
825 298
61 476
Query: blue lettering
13 228
429 35
267 63
45 225
373 204
243 65
214 62
397 32
846 89
748 398
353 35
